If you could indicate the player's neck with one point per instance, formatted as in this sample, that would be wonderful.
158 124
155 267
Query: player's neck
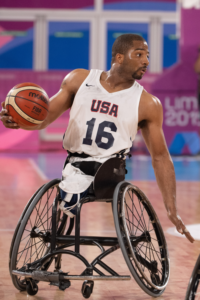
116 80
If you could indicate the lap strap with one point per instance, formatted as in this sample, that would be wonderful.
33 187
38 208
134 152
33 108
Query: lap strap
76 154
87 167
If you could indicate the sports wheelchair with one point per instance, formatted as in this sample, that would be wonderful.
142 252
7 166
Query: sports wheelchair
193 291
43 234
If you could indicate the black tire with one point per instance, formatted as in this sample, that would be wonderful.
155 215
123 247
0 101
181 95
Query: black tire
37 216
19 222
31 288
147 259
87 292
194 282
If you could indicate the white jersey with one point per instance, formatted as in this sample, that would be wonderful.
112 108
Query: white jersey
102 123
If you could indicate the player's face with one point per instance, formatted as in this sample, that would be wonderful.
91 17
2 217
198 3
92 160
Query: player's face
136 59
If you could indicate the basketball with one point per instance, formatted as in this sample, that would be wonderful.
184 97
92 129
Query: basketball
28 104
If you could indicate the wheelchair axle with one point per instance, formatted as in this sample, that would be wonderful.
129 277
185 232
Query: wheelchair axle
90 240
54 277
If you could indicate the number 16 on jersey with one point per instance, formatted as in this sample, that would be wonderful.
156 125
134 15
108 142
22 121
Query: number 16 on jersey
100 134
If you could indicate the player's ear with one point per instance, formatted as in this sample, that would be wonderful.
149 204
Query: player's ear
119 58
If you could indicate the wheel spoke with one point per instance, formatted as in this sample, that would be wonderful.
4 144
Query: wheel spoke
39 218
34 254
29 247
137 213
30 223
45 215
47 210
128 218
136 221
24 249
38 210
134 207
142 213
156 253
132 213
136 218
27 250
39 215
48 197
43 224
25 237
134 225
152 249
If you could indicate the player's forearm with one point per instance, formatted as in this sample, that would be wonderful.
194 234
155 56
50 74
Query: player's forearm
43 125
165 176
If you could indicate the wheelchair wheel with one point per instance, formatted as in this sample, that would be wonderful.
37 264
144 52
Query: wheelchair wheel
141 238
192 290
19 222
37 218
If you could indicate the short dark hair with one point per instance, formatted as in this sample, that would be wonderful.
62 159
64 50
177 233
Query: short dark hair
124 42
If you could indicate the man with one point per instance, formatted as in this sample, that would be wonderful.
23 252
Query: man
107 109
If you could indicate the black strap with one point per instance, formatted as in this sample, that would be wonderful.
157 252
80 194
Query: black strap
87 167
76 154
122 154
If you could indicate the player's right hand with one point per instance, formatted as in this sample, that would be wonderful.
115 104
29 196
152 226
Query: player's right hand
6 119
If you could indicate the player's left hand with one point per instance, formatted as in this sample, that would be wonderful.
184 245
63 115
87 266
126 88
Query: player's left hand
6 119
180 227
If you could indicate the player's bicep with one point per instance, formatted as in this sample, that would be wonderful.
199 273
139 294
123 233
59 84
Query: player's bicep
59 103
153 133
155 141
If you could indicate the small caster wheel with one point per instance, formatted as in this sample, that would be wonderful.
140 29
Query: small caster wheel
31 288
87 288
87 292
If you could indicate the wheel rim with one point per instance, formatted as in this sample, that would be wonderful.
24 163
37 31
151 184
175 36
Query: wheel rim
138 220
194 292
30 248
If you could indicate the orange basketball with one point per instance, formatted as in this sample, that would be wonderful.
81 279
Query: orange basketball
28 104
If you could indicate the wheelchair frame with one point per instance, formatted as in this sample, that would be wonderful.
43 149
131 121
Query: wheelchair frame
33 272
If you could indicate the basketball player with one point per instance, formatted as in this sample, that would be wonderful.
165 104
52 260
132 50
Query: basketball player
107 109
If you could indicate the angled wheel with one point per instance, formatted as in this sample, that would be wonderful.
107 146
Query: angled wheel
19 222
141 238
27 247
193 290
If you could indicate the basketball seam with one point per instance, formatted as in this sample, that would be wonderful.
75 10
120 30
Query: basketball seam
26 114
21 111
27 100
29 88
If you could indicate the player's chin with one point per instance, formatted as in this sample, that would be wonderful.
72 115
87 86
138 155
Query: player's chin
137 76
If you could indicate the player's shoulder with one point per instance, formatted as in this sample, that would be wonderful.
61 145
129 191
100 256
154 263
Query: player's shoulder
150 101
77 73
150 107
75 78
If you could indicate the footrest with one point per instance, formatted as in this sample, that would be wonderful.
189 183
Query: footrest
55 277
